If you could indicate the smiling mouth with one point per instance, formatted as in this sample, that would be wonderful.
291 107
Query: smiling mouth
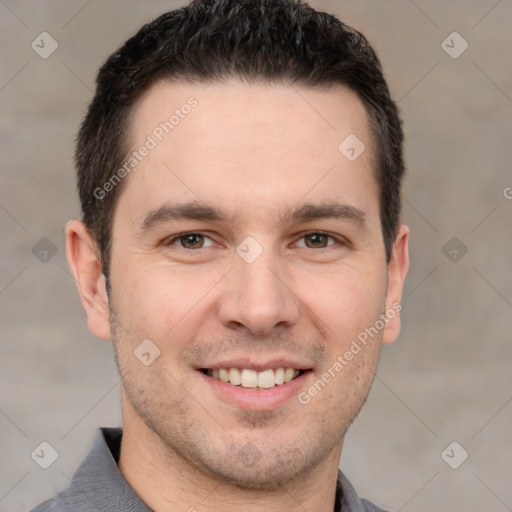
247 378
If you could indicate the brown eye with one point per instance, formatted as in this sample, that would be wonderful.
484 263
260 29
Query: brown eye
192 241
189 241
316 240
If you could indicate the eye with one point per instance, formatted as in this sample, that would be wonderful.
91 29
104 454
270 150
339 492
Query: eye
196 240
318 240
189 241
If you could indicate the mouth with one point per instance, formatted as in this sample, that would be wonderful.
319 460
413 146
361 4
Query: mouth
253 379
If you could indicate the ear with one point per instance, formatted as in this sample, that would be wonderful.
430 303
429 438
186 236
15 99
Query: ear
83 258
397 270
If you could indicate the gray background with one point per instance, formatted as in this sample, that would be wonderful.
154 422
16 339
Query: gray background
447 378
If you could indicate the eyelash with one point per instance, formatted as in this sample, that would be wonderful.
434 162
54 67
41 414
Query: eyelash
171 241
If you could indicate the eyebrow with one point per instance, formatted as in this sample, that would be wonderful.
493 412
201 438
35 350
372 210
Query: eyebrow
200 211
329 210
184 211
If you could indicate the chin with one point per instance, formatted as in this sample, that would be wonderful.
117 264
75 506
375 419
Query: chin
270 469
261 479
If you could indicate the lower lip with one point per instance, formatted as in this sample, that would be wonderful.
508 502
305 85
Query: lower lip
256 399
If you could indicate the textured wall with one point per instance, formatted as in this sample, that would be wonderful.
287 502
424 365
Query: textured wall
447 378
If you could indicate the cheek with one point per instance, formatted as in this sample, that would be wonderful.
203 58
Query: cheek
346 301
157 301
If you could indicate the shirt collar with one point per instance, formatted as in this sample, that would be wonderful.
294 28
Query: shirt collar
98 485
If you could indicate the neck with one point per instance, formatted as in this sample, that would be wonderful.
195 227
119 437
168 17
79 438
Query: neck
166 482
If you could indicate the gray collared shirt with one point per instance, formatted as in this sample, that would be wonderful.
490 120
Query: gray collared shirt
99 486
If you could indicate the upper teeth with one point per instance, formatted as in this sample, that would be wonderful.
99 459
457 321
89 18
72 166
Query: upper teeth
253 379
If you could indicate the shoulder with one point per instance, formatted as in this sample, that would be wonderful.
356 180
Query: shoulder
348 500
370 507
47 506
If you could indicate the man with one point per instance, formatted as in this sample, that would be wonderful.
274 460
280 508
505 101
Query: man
239 171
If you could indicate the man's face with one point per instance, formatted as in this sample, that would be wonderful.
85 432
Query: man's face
286 281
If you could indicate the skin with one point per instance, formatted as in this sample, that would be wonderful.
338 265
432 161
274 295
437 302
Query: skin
257 151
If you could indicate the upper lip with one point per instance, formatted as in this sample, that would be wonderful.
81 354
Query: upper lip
258 365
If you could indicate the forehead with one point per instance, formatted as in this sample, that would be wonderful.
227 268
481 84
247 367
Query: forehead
249 113
242 143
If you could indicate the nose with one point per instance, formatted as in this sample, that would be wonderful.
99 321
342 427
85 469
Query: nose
257 297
